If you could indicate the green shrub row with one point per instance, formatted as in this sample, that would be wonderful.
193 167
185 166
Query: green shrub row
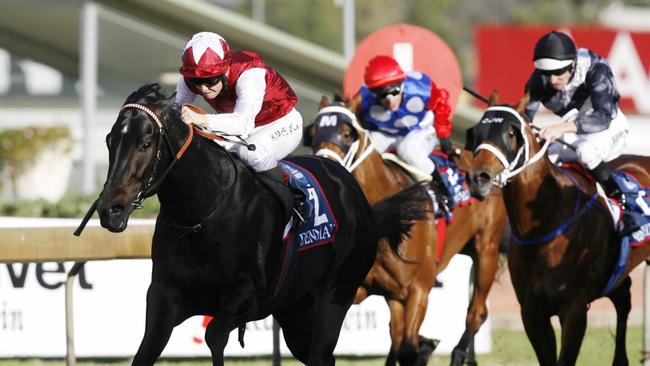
69 207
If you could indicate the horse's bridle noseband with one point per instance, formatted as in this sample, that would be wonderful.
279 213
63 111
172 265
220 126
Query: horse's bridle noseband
521 161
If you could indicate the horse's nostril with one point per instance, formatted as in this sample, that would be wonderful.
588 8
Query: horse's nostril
116 210
483 178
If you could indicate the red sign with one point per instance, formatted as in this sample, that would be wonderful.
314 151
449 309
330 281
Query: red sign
505 59
415 49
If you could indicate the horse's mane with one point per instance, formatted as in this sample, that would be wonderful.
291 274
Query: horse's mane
149 94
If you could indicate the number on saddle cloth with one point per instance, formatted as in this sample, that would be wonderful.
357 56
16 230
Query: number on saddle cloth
320 225
453 178
637 201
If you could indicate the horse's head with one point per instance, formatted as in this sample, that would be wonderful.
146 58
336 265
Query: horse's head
335 131
134 150
500 142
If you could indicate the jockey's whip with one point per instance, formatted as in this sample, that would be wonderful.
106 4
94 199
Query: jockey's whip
87 217
476 95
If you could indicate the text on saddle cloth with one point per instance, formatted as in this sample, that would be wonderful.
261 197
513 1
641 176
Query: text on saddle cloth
320 225
453 178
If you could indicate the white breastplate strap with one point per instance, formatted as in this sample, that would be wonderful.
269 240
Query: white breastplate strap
349 161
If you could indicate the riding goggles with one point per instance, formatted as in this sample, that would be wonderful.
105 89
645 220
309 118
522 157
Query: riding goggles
384 91
556 72
209 82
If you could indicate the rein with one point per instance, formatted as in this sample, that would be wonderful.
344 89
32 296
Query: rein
577 212
188 140
150 187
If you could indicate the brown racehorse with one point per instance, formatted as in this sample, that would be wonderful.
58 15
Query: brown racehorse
405 284
564 249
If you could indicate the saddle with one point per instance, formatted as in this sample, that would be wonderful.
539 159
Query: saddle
452 177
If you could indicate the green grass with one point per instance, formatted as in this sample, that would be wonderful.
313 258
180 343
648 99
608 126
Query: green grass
509 348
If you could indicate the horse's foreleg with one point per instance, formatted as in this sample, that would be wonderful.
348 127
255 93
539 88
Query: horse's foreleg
362 294
538 327
396 329
158 326
620 296
216 337
486 263
416 308
573 320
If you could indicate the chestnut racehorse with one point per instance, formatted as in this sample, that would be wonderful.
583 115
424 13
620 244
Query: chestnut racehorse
405 284
564 249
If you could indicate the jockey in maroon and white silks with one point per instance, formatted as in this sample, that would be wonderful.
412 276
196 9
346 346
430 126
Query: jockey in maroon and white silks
253 101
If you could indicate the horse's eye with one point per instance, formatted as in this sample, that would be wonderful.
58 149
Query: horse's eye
511 133
145 146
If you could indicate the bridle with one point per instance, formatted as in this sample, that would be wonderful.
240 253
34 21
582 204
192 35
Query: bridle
522 159
149 187
350 161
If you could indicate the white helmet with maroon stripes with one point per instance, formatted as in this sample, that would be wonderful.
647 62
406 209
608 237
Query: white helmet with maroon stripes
206 55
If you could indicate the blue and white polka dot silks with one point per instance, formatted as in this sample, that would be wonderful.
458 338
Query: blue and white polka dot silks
417 92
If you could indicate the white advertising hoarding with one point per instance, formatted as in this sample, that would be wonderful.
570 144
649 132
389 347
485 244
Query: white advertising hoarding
109 312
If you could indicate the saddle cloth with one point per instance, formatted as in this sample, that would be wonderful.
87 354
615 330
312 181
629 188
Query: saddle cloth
637 201
320 225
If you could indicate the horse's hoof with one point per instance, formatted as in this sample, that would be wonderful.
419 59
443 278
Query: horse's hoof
426 346
407 354
458 357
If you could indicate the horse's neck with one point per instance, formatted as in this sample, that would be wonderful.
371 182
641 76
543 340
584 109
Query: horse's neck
375 176
540 194
201 180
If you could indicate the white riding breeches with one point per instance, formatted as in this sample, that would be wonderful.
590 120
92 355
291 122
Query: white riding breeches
273 141
414 148
593 148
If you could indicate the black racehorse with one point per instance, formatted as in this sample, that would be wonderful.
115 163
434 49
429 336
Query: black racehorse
217 246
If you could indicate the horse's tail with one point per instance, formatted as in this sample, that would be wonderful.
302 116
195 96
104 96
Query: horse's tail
395 214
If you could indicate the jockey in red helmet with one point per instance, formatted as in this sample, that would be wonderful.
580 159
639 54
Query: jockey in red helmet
578 85
405 111
252 101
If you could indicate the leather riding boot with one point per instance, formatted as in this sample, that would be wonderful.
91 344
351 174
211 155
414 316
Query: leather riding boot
442 193
293 200
603 175
272 179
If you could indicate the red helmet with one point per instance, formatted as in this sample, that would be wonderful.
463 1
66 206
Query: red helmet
382 70
206 55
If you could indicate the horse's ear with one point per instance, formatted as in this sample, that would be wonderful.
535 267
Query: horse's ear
308 135
354 103
494 98
324 102
339 98
520 107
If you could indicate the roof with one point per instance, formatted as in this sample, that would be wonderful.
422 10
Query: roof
141 41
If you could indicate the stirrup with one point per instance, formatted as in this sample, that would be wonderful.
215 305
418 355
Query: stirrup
627 225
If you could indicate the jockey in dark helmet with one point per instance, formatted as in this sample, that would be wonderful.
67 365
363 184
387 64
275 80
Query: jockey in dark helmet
252 101
578 85
406 112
